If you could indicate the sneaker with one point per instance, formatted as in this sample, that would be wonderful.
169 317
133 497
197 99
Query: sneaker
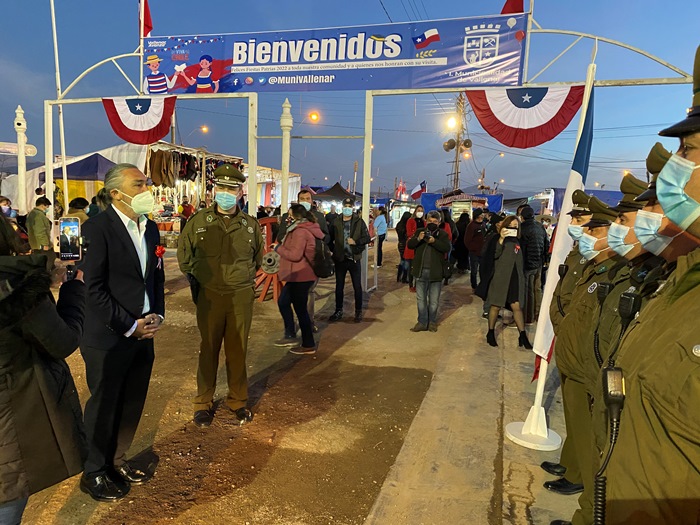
432 327
337 316
419 328
379 266
287 340
243 415
485 315
303 350
358 316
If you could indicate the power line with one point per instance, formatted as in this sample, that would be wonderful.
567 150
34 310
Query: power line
385 11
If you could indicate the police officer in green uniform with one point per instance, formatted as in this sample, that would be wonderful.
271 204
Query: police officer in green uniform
654 472
574 342
569 481
220 250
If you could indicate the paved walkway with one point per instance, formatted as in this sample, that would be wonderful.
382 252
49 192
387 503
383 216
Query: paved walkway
456 466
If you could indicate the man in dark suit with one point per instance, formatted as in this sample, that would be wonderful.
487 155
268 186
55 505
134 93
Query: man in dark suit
124 311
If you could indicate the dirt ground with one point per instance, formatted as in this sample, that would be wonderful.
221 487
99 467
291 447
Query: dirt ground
326 430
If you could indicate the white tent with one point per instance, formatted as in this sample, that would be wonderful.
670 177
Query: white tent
131 153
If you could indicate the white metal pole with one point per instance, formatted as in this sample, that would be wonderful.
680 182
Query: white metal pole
526 62
533 433
141 23
21 129
366 172
48 152
252 153
286 123
61 129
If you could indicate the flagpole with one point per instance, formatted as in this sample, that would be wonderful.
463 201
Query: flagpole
61 128
142 9
533 433
531 14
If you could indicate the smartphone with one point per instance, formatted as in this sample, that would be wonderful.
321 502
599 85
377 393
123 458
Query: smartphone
69 243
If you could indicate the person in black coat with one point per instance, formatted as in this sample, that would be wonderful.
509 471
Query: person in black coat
125 308
460 249
402 274
503 283
535 244
41 424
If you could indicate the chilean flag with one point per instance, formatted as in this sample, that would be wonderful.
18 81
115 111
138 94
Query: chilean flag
427 38
525 117
419 190
140 120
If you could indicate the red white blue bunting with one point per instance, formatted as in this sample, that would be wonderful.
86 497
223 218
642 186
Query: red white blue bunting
525 117
140 120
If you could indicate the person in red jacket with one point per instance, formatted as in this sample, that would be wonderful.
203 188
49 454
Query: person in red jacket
474 241
296 252
415 223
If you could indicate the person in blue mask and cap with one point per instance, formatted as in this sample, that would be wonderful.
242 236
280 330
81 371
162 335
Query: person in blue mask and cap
220 251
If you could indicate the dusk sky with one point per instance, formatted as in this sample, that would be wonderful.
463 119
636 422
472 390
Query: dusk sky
408 130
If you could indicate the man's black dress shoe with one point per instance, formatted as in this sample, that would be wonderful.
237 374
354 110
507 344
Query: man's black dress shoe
203 418
133 475
563 486
102 487
560 522
555 469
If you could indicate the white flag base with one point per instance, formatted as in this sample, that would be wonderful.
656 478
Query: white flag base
533 433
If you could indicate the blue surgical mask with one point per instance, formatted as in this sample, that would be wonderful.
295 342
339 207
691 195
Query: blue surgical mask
226 200
575 231
616 239
347 212
5 210
646 228
586 246
306 205
680 208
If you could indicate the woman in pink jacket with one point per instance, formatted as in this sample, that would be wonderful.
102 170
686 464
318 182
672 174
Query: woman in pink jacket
296 252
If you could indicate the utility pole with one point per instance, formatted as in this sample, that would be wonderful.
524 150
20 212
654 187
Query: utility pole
460 106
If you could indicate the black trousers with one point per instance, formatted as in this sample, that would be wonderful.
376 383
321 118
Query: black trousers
118 381
341 270
380 253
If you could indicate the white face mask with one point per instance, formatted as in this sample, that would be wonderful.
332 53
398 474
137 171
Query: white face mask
141 203
419 214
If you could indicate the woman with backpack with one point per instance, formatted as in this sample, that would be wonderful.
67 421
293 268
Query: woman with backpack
402 274
297 251
415 223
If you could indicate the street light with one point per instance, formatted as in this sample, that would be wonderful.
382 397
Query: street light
203 129
452 123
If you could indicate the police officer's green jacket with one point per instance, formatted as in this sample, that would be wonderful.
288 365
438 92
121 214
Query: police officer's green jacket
574 344
565 287
654 473
643 274
222 254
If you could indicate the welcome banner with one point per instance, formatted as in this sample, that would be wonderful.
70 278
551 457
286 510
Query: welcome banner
457 53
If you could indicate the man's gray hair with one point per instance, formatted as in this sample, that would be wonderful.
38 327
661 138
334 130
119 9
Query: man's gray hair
434 214
114 180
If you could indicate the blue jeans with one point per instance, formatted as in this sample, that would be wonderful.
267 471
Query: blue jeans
428 297
297 295
11 512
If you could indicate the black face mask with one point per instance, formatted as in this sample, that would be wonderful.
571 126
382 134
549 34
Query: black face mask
432 227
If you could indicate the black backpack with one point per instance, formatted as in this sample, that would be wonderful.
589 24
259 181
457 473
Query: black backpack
323 265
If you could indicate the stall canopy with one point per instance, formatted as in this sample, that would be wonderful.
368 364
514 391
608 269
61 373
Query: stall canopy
334 193
93 167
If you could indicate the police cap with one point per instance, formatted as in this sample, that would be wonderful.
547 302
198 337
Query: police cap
603 214
580 200
691 123
631 188
228 175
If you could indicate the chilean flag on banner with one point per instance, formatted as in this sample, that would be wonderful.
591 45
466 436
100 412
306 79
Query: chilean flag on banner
140 120
419 190
427 38
525 117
